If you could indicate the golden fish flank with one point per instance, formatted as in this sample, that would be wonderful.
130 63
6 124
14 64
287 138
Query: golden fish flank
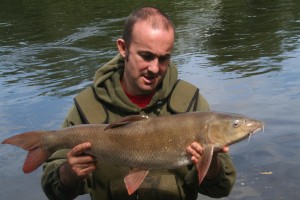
125 142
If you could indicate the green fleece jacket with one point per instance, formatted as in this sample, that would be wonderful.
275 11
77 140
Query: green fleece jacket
106 102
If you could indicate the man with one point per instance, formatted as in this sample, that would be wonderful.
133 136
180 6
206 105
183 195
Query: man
139 80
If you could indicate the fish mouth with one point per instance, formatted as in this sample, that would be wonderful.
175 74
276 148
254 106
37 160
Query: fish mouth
256 129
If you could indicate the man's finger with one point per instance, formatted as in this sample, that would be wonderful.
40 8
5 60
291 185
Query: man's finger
80 149
197 147
83 173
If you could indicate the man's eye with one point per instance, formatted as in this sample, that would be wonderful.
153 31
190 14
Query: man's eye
148 57
163 59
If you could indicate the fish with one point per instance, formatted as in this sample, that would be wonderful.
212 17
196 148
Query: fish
141 142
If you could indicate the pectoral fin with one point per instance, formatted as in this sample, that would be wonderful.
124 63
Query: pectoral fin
134 179
203 165
126 120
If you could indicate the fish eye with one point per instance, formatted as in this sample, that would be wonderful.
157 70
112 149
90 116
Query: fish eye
236 123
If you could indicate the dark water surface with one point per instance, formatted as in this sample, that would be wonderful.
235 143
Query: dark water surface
243 55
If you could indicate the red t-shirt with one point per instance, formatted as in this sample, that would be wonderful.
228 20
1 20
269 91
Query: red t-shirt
140 100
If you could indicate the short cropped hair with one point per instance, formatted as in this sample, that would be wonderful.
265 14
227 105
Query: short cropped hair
156 17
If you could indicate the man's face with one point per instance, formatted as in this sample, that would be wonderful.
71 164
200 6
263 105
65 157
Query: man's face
148 56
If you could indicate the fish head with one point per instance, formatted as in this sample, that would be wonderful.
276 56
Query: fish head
227 129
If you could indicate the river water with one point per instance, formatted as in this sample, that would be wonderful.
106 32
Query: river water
243 55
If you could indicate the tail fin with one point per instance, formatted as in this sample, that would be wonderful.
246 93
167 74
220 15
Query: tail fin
31 142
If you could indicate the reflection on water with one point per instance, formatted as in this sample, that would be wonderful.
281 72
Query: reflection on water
61 53
243 55
254 51
56 66
246 38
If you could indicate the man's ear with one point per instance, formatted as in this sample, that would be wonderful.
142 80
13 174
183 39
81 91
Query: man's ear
121 47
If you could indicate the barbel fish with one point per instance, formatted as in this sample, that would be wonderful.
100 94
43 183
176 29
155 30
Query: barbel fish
141 142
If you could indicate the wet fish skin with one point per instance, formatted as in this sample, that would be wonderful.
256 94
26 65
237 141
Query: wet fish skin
143 143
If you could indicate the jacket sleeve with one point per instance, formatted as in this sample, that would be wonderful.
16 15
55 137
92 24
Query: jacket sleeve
51 184
222 184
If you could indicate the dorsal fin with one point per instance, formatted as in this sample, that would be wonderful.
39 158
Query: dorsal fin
126 120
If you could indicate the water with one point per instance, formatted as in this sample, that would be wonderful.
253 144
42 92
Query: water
242 55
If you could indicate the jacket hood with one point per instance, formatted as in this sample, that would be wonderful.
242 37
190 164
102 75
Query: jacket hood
108 87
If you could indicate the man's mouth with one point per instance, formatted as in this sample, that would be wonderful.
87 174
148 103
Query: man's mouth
149 79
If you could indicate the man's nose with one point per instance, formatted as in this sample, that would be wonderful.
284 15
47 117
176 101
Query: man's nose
154 66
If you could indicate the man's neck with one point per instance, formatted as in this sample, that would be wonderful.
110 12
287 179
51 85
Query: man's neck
140 100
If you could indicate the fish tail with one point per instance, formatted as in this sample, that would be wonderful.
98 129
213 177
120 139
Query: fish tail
31 142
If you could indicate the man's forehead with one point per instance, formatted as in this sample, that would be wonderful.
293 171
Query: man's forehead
144 29
158 41
151 24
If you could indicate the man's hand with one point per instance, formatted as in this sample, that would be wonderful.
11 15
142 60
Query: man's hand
78 165
196 151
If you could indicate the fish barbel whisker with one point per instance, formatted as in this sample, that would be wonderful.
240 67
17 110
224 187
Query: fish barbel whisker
254 131
250 134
